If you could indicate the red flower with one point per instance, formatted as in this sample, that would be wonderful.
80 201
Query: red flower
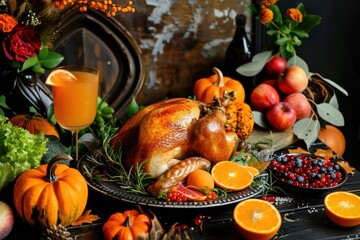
21 43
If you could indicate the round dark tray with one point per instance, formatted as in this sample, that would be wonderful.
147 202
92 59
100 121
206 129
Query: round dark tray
308 192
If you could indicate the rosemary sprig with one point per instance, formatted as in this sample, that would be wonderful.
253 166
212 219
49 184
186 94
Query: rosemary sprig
106 165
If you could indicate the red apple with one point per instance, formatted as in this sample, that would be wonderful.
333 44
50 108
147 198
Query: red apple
300 104
263 96
294 80
281 116
275 66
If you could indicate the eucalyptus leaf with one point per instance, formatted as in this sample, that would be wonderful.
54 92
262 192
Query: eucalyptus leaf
335 85
330 114
306 129
250 69
262 56
260 119
309 142
297 61
334 102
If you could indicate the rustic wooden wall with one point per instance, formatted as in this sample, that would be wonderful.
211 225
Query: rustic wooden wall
180 41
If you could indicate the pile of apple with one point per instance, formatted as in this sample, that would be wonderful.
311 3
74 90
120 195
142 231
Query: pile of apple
280 95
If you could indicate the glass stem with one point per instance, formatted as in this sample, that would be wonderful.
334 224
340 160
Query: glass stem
74 143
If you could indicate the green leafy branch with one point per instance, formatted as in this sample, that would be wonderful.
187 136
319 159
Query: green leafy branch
45 59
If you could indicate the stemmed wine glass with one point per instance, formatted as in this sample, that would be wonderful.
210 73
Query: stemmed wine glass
75 92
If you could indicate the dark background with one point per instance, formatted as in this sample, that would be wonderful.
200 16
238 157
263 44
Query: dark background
332 51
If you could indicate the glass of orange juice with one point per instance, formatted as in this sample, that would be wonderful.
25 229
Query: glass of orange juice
75 91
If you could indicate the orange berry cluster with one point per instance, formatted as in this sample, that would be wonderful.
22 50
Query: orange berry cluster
107 6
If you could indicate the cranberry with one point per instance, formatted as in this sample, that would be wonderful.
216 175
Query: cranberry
306 171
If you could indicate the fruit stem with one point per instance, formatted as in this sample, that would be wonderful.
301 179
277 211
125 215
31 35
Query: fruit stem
220 76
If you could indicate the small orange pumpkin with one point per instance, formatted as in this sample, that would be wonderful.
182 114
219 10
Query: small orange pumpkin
206 88
34 123
333 138
126 226
50 194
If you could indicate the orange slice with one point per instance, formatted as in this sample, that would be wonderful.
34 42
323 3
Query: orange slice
257 219
252 170
231 176
343 208
58 76
201 179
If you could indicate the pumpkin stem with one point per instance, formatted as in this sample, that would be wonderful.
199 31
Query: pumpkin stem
50 170
127 222
220 76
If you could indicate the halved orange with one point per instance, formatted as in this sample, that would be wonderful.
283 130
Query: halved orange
343 208
254 171
231 176
57 76
257 219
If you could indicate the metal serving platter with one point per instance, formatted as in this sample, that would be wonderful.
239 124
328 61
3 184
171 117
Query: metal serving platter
114 190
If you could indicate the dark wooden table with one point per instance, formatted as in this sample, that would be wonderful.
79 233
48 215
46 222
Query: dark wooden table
304 218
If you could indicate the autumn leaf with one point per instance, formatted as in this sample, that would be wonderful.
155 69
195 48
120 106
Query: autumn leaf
261 166
325 153
86 217
349 169
298 150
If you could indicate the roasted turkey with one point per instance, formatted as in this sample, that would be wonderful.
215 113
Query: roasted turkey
164 133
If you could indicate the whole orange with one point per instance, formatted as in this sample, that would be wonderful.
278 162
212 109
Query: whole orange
333 138
201 179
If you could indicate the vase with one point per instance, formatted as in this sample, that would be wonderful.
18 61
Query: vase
24 90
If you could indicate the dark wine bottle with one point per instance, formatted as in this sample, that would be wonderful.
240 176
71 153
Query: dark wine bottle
239 52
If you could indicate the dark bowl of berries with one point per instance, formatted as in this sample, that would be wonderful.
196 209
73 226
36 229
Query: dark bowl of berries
306 175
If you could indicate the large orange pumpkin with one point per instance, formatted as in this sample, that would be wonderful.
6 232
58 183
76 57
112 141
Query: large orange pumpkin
333 138
34 123
50 194
206 88
126 226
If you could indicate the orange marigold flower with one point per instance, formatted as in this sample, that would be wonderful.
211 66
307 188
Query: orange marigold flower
266 15
267 3
294 14
7 22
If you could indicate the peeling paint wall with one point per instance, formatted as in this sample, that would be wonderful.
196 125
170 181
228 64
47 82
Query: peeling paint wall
181 41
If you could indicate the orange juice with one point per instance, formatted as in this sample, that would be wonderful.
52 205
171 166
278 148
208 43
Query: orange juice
75 101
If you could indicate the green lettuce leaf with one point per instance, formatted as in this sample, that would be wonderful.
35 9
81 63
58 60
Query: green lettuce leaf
19 151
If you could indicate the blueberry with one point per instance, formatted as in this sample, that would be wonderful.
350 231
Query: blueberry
278 158
332 175
300 179
290 181
312 175
298 164
320 164
337 167
318 176
330 168
322 170
314 162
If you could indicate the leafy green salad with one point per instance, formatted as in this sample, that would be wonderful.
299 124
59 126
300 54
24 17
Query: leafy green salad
19 151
